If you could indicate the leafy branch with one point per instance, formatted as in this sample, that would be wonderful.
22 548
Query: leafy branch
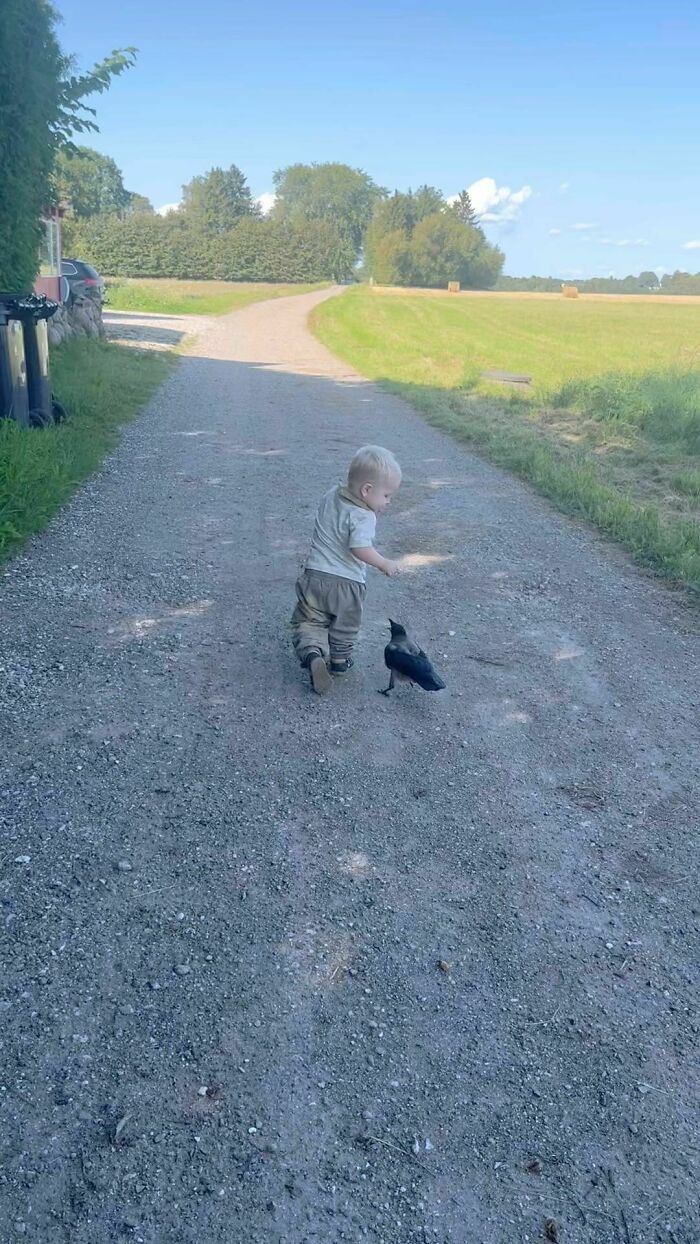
72 115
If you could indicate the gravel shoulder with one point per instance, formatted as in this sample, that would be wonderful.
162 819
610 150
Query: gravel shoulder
148 331
225 903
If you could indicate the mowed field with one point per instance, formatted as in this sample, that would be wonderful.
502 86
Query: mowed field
449 340
401 291
608 424
171 297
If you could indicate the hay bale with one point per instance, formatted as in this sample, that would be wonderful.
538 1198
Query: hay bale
569 291
453 287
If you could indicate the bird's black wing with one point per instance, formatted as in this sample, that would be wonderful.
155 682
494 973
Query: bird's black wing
416 668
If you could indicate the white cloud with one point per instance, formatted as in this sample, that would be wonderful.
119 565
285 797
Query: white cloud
691 246
266 201
564 187
553 233
167 208
497 204
585 225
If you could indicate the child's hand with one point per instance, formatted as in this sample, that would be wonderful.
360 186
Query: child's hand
392 569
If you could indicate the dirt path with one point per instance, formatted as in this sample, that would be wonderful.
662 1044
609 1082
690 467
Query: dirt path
148 331
224 902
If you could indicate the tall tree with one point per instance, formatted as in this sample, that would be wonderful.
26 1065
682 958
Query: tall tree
464 209
649 280
414 239
403 211
388 256
444 249
215 202
139 205
41 106
426 201
341 196
396 212
89 183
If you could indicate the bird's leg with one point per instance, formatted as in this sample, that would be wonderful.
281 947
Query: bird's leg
386 690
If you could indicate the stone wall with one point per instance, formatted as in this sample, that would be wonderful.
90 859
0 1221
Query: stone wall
82 318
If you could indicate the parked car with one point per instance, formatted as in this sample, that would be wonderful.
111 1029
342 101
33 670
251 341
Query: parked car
83 280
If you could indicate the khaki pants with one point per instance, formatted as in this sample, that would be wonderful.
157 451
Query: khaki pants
327 616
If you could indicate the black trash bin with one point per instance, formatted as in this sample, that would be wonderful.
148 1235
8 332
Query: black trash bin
14 402
32 311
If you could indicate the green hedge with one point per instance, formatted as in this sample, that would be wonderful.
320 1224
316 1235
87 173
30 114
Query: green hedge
254 250
29 87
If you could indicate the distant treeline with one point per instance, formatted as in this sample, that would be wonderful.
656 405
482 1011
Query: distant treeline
324 218
646 283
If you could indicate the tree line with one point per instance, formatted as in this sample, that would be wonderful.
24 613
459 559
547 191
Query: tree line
219 231
326 218
328 222
647 282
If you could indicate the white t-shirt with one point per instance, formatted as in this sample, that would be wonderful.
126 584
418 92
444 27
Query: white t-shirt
340 528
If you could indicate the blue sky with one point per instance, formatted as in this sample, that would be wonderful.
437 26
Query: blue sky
579 122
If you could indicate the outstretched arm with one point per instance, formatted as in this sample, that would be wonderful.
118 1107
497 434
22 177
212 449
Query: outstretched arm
371 557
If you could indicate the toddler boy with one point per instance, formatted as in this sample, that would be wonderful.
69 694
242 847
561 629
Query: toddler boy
331 589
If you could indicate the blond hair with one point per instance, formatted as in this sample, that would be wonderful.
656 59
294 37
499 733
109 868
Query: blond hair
370 465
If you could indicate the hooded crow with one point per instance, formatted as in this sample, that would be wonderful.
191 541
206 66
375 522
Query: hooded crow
408 663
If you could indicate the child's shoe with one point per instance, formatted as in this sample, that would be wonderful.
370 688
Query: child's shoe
342 667
321 680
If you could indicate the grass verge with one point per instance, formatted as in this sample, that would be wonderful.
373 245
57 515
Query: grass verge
169 297
620 448
569 477
102 386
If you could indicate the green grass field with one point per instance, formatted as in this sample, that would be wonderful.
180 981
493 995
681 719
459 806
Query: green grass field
102 386
610 426
448 342
192 297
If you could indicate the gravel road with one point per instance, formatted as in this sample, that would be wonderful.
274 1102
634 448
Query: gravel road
226 903
149 331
